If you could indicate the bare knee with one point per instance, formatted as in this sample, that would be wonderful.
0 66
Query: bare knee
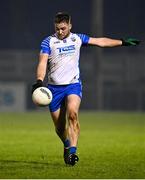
72 116
73 120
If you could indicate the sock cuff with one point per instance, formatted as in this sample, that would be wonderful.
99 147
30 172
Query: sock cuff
73 150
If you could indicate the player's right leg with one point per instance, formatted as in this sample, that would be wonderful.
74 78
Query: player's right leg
58 114
59 119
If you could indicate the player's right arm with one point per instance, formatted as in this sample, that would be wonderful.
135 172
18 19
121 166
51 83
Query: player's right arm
41 71
42 66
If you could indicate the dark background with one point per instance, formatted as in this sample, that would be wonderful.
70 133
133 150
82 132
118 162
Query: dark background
114 79
25 22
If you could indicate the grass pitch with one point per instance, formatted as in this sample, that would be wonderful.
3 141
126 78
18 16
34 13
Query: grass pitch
111 145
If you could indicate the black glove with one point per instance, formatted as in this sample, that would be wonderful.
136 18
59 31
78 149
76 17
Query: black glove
39 83
130 42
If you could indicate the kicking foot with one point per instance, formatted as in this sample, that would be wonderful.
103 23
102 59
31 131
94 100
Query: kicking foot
72 159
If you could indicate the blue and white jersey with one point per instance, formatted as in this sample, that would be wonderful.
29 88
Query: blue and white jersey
63 62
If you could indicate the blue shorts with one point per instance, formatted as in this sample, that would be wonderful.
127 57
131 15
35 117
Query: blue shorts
60 92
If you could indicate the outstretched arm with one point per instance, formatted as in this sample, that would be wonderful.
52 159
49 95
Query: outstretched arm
104 42
108 42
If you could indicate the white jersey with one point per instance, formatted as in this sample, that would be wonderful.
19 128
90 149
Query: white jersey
63 63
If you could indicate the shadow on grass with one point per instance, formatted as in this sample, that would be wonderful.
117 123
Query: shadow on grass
24 169
20 162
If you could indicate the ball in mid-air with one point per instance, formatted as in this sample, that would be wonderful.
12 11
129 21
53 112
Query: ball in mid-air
42 96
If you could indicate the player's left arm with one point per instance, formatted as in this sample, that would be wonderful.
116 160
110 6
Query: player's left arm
108 42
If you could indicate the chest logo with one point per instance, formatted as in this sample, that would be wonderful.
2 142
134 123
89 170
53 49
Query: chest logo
66 48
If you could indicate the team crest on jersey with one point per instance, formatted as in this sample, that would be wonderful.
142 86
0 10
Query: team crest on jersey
73 39
64 41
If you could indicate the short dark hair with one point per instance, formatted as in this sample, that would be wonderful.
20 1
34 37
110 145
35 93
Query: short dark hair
62 17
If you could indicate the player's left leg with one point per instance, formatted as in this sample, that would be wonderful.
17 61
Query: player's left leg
73 103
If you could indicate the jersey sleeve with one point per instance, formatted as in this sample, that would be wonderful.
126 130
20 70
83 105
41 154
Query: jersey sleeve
45 46
84 38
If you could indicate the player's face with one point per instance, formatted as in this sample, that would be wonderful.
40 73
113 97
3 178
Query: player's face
62 29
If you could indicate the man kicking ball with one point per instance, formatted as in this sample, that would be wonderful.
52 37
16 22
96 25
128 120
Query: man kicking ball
59 55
